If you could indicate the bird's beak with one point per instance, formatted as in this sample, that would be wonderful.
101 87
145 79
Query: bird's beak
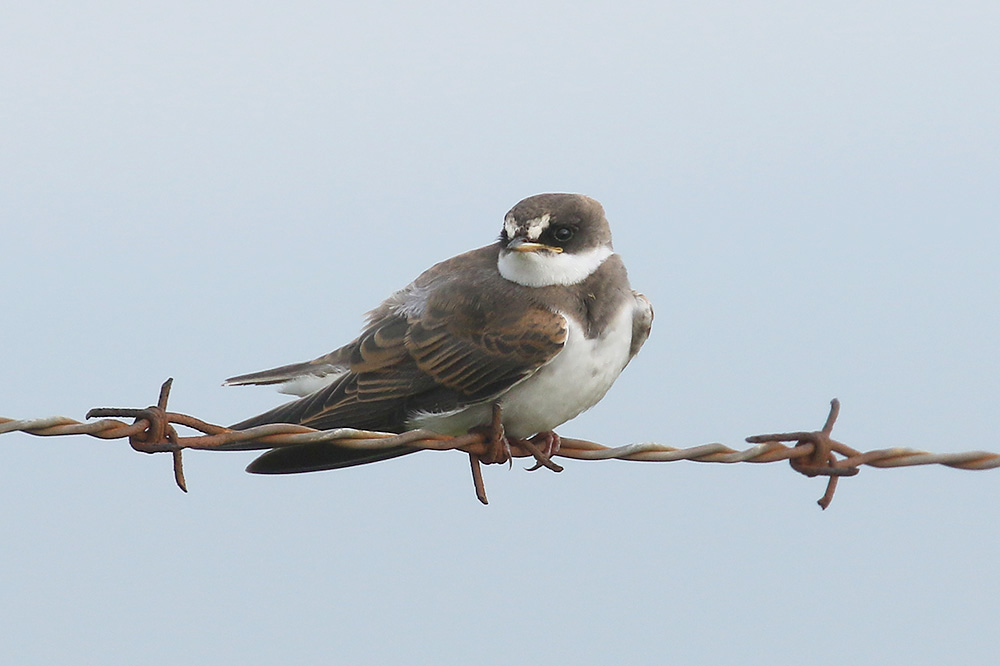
521 245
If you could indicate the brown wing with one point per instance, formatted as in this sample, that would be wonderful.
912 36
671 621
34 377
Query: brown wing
480 350
458 350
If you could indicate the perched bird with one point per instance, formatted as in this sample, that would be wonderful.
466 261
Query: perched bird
541 322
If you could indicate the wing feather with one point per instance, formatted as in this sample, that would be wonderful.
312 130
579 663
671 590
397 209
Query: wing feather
435 366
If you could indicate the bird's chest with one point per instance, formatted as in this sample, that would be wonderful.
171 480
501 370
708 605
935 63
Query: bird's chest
574 381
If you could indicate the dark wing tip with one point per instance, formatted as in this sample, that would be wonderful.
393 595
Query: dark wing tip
317 457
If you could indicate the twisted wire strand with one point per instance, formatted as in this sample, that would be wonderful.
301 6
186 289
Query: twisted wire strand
812 454
281 435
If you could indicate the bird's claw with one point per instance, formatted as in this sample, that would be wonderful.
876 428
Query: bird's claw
543 446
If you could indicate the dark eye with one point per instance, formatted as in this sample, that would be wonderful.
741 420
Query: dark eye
562 234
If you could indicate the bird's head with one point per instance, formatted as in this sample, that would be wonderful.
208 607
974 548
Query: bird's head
551 239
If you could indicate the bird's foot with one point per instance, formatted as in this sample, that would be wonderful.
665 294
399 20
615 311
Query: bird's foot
550 442
497 444
543 446
498 450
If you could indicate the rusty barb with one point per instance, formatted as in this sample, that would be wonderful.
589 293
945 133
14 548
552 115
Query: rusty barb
814 453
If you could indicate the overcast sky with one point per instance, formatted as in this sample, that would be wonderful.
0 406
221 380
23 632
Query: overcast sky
809 194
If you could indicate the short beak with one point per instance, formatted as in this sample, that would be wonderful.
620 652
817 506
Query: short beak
521 245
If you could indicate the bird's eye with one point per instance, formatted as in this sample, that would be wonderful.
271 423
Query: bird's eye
562 234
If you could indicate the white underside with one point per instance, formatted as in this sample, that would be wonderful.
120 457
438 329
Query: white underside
574 381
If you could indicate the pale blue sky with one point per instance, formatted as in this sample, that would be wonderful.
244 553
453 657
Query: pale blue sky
809 193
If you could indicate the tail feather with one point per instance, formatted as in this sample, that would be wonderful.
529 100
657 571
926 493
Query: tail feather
315 380
317 457
319 372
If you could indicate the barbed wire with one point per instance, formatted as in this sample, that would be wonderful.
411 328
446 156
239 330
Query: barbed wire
814 453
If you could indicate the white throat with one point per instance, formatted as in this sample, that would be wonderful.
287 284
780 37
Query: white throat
545 269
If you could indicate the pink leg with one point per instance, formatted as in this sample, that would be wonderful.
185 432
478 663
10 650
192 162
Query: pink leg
497 445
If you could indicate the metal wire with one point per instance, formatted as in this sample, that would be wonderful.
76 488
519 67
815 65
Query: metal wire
813 453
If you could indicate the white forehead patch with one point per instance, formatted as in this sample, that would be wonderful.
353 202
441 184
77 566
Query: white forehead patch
509 226
536 226
533 228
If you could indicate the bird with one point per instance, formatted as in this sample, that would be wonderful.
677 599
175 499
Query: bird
534 327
